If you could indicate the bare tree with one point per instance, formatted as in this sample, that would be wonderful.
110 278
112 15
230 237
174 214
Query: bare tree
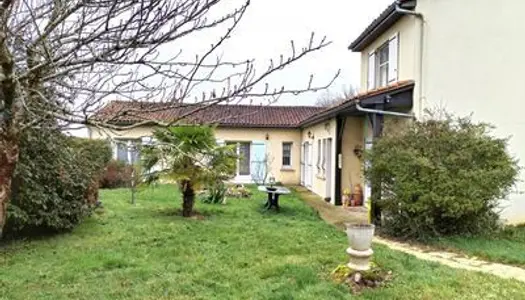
328 99
62 59
263 169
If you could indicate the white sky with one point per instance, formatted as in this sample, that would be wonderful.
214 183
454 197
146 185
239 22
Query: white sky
269 25
267 28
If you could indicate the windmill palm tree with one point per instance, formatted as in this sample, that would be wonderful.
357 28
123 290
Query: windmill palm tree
191 156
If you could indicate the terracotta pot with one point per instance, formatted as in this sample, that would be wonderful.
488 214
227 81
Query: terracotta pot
360 235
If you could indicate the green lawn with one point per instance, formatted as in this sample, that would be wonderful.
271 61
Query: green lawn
506 246
238 251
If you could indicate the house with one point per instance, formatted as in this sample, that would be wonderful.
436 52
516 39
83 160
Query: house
421 54
461 56
267 138
319 148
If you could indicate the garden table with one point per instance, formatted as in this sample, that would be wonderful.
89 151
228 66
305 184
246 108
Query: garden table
273 195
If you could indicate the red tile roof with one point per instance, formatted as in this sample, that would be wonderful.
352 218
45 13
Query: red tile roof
131 112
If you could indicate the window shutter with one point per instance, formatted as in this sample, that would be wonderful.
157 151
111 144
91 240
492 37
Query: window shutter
393 46
258 162
372 71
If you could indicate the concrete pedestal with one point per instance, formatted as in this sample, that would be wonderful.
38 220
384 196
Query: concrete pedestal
359 260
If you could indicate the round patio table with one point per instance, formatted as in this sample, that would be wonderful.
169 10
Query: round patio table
273 196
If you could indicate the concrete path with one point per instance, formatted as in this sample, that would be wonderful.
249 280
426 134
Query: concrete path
338 216
457 261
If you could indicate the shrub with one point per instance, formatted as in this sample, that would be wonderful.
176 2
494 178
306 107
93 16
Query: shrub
214 194
440 176
116 175
55 178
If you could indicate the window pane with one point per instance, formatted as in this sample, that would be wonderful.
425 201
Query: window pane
287 154
122 151
383 75
383 54
135 156
324 156
244 161
319 156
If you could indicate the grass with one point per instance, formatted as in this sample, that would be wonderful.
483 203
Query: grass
506 246
239 251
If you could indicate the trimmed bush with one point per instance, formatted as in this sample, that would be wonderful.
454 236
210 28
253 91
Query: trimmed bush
55 181
440 176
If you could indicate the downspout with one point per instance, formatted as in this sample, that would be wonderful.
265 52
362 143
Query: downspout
383 112
419 83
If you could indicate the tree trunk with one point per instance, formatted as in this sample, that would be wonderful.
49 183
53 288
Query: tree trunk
8 159
188 199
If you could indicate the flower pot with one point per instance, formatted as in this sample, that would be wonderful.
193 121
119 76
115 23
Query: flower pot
360 236
346 200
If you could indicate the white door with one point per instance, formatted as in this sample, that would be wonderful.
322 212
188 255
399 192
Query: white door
328 174
308 163
243 173
303 164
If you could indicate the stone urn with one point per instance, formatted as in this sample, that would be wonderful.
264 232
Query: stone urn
360 235
360 240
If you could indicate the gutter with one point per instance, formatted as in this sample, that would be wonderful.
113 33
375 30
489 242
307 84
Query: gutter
419 16
383 112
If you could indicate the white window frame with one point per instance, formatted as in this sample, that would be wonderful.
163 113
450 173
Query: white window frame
323 164
382 65
238 152
129 147
390 67
282 150
319 153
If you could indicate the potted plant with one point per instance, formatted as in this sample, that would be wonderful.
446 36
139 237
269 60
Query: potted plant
357 196
360 235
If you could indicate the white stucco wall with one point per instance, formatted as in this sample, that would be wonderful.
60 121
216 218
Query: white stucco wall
473 64
323 130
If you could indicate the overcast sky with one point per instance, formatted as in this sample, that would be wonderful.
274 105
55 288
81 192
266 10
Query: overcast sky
268 26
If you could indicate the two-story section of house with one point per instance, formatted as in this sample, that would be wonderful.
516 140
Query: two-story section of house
463 56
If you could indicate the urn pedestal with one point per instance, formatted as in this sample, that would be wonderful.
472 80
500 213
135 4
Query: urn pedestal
360 240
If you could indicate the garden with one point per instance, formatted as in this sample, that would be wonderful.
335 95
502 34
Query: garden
197 238
236 250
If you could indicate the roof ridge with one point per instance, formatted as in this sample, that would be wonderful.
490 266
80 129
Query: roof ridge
225 104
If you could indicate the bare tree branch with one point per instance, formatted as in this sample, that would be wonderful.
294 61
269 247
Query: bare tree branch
63 60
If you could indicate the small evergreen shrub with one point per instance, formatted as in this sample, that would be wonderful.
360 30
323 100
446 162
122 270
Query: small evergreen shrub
440 176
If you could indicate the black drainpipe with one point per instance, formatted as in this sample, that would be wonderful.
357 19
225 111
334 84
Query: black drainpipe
339 128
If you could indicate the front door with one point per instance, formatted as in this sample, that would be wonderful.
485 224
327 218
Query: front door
303 164
243 173
308 165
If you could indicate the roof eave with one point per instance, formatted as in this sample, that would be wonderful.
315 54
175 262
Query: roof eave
387 18
335 111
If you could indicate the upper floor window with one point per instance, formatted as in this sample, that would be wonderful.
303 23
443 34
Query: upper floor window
383 64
